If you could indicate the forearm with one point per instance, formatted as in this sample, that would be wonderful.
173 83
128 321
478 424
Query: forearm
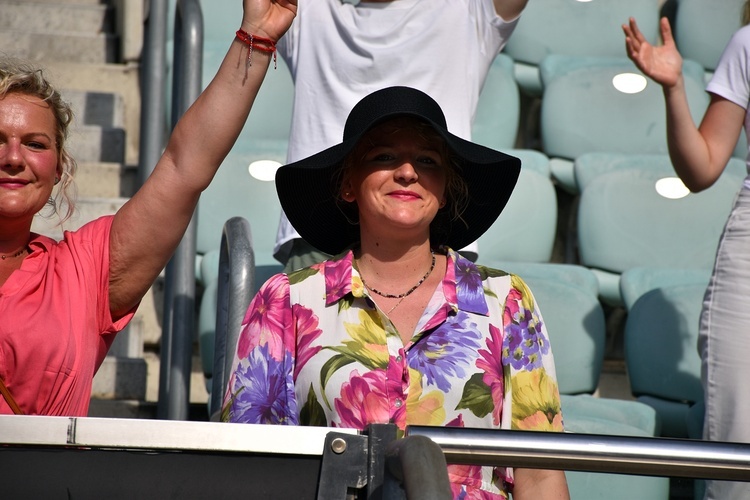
687 148
509 9
210 127
540 484
700 155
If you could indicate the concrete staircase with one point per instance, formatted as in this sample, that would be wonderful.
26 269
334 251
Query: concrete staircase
90 50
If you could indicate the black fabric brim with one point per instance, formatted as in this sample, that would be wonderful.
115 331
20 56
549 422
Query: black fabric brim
308 193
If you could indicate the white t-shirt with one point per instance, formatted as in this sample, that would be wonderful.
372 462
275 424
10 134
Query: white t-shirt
338 53
731 80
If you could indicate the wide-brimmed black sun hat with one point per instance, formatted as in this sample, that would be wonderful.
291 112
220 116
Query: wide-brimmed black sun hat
308 189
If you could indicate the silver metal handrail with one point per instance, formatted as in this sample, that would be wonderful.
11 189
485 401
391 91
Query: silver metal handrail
645 456
179 283
235 291
153 124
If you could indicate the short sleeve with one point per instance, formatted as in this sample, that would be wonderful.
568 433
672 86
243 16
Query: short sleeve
532 392
731 80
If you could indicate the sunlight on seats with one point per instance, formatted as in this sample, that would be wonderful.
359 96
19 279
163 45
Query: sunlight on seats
672 188
263 170
629 83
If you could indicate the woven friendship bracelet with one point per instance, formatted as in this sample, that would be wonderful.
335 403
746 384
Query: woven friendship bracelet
255 42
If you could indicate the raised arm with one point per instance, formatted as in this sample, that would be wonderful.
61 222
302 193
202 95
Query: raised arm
148 228
509 9
699 154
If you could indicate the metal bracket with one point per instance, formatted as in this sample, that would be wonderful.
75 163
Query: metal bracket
344 466
353 466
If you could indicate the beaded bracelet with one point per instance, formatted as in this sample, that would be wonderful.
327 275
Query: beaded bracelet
255 42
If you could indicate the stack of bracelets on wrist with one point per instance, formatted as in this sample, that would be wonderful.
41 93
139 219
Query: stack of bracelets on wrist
255 42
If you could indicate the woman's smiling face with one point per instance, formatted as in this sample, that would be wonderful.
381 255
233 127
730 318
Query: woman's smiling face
28 155
397 177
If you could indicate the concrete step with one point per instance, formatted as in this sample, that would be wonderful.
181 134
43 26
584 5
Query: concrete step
98 133
613 381
97 144
119 80
103 109
86 48
87 209
120 378
105 180
105 408
100 180
37 17
198 393
112 377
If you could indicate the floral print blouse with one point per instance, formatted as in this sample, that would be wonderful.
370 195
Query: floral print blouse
316 350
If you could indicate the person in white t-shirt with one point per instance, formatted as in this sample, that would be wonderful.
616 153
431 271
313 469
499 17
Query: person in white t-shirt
700 155
339 51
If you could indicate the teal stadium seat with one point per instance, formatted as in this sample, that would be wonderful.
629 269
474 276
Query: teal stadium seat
573 28
590 165
661 354
499 107
703 28
583 111
638 281
623 222
525 230
519 233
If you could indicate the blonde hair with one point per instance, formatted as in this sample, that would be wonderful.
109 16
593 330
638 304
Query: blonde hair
20 77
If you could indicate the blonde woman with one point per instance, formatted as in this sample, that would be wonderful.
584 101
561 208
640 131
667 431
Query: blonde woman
699 155
62 303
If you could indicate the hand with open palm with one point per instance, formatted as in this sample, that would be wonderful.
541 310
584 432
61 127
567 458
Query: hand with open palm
661 63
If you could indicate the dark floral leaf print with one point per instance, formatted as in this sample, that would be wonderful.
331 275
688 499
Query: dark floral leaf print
488 272
312 412
224 415
302 274
329 368
477 397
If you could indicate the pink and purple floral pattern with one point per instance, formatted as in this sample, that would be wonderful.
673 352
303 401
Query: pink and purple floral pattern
316 350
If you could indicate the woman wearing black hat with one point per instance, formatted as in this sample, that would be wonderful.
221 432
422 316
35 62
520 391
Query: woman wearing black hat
398 327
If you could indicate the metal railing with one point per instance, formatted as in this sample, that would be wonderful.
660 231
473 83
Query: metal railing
236 283
153 127
179 288
644 456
